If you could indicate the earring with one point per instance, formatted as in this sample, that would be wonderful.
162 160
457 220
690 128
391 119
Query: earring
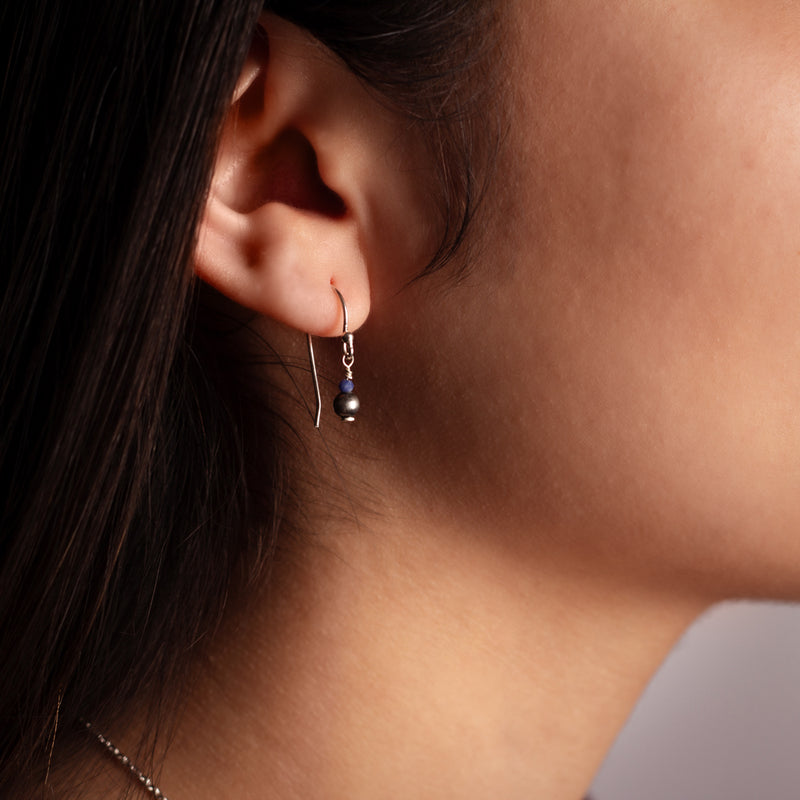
346 404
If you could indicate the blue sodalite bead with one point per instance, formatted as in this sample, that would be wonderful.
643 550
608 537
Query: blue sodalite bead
346 386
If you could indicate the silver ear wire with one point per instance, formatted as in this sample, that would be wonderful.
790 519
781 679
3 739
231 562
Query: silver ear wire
314 378
346 404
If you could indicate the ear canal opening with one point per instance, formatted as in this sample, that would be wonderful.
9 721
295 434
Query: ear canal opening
286 171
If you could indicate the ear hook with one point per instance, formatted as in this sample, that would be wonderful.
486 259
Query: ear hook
344 310
314 378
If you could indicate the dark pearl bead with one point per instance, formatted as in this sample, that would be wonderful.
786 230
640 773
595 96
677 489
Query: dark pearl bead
346 386
346 405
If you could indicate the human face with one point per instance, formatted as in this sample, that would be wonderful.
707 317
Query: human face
630 349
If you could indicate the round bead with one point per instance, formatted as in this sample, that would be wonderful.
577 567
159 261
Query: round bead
346 386
346 405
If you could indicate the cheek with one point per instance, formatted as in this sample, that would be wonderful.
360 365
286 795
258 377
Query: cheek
661 190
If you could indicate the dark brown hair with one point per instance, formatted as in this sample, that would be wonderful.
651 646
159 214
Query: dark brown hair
123 475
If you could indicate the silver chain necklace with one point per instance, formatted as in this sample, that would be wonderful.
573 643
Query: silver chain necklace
145 782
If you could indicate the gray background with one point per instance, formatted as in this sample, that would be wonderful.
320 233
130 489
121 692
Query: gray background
721 719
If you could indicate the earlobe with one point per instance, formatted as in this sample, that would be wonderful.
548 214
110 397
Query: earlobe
281 261
277 232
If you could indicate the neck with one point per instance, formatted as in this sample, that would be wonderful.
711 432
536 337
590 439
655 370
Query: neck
418 663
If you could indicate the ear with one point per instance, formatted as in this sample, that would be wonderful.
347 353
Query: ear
304 195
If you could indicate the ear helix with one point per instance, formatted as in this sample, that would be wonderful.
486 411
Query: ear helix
345 404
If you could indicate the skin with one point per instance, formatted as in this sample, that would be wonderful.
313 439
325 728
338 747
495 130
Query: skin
632 350
561 460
